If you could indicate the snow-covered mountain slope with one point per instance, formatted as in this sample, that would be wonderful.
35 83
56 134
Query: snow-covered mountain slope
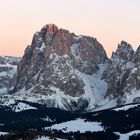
21 107
94 88
127 107
8 68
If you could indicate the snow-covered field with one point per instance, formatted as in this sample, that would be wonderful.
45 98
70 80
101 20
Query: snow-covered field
77 125
47 138
4 133
126 135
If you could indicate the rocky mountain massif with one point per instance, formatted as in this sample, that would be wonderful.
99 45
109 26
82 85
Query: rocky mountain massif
62 70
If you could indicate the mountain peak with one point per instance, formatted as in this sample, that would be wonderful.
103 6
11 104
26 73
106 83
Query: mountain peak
54 65
124 52
52 28
124 43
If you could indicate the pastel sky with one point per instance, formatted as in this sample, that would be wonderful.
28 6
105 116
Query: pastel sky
110 21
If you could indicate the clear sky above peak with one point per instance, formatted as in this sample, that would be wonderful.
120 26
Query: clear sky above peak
110 21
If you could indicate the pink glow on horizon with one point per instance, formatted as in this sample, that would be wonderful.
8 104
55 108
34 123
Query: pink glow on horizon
110 21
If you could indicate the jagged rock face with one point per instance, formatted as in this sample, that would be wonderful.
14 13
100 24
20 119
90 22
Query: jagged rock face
124 68
137 56
8 67
123 74
88 53
133 81
119 69
124 52
52 64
